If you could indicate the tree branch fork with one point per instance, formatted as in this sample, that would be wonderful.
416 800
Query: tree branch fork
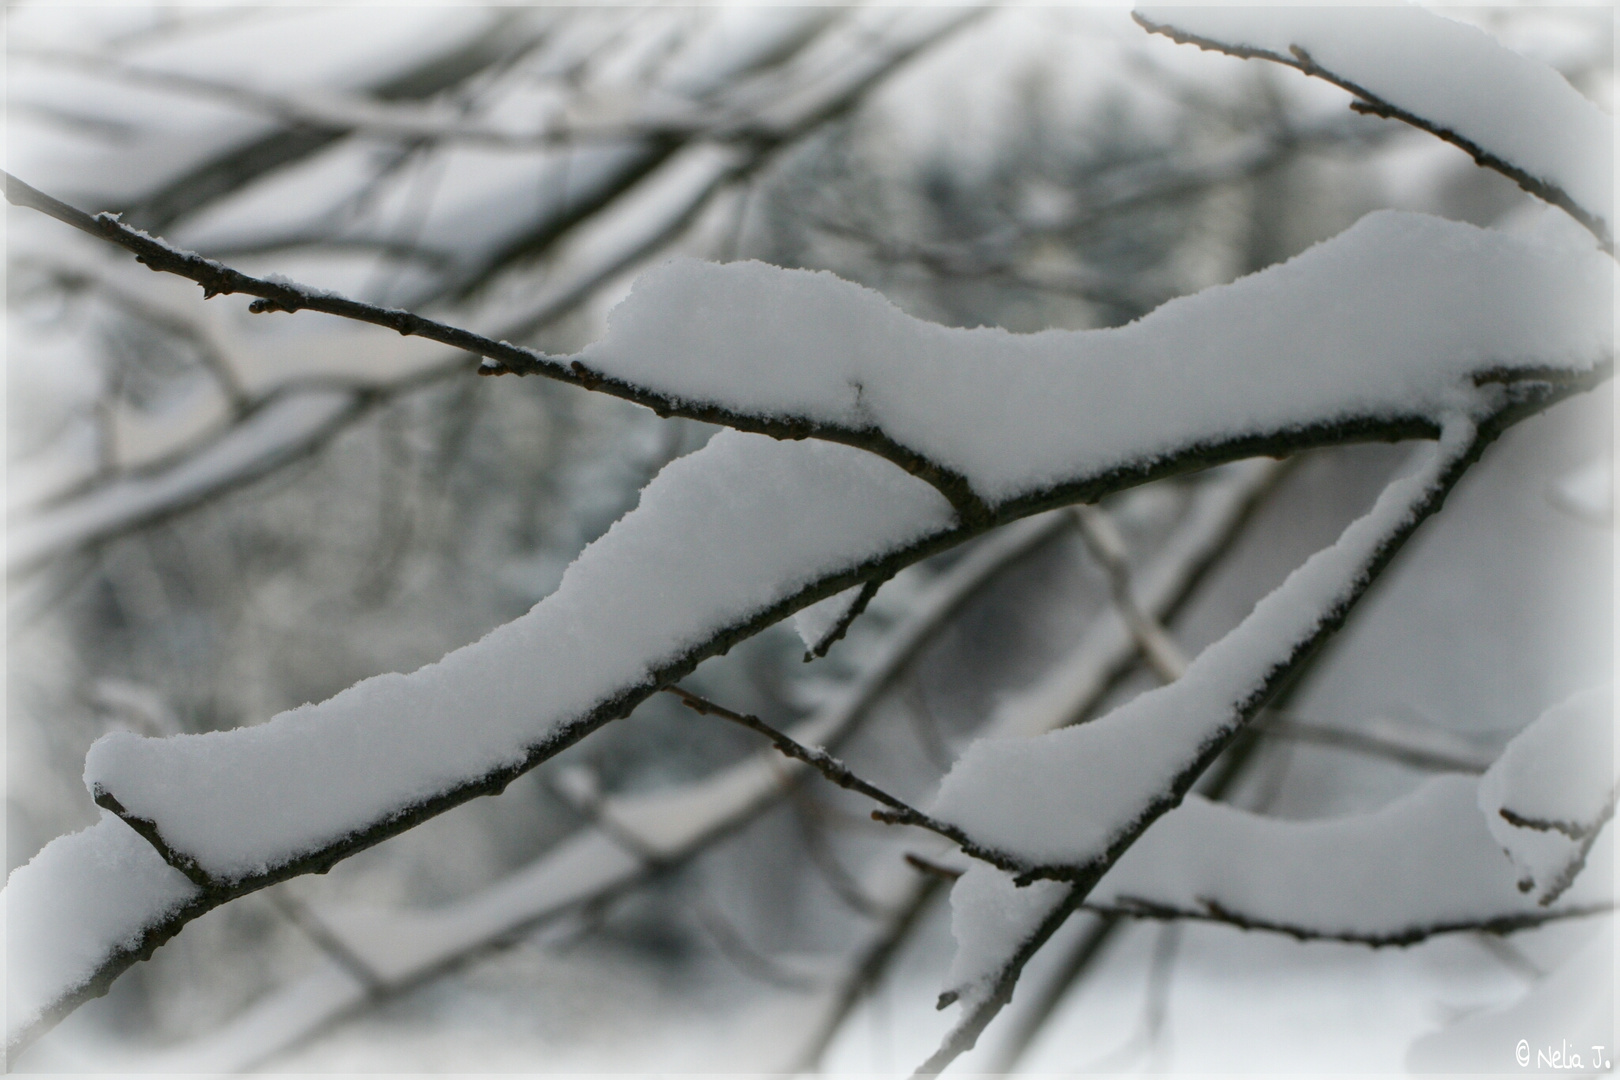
1522 394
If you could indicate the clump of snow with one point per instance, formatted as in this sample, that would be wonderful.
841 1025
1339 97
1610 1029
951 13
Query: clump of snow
718 536
1062 799
1391 318
1553 788
1449 73
990 919
1422 861
81 899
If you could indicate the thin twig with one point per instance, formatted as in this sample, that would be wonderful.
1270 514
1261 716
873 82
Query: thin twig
1282 725
845 620
1373 104
278 294
1212 911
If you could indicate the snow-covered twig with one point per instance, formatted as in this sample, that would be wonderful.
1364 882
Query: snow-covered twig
1510 114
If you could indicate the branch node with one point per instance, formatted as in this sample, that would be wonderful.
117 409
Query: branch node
589 379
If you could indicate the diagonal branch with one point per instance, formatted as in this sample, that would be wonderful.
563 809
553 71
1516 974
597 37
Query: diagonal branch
1510 83
1378 538
278 294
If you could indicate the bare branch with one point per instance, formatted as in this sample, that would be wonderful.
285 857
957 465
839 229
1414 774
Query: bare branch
1283 725
279 295
836 632
1213 912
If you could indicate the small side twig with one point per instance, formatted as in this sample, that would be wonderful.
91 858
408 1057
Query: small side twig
838 629
898 812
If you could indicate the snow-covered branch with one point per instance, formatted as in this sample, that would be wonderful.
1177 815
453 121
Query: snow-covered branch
1511 114
796 355
1062 810
1552 792
400 948
1402 327
221 809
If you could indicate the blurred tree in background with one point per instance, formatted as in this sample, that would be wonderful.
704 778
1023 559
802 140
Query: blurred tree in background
216 516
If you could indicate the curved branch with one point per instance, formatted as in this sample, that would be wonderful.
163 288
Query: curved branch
1514 85
1212 911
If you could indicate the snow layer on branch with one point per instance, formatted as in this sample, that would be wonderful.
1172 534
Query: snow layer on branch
81 899
1388 319
990 919
1063 798
718 536
1552 789
1453 75
1422 862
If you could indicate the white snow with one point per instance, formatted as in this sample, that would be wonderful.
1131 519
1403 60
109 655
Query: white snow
80 899
1422 861
1062 798
1392 317
990 918
1560 771
1451 74
718 536
1589 490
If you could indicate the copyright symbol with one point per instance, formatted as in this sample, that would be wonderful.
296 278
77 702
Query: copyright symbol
1522 1052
